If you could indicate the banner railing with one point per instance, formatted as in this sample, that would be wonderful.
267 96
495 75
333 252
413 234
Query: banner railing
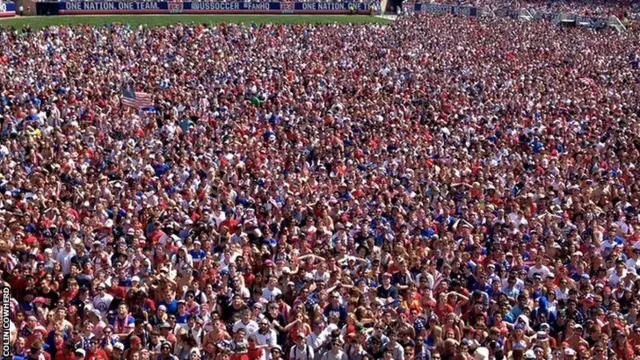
615 23
528 14
209 7
7 9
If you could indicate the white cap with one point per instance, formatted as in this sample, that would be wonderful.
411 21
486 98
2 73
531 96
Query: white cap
482 353
569 352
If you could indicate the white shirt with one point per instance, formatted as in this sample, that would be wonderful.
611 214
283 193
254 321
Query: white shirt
270 295
102 303
250 328
304 353
518 286
324 276
315 341
64 258
562 294
607 245
340 356
268 339
543 271
624 227
614 279
429 277
633 264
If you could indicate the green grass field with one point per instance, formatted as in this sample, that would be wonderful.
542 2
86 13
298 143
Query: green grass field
161 20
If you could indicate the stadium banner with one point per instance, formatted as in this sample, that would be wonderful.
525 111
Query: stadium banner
505 12
543 15
233 7
7 9
447 9
588 21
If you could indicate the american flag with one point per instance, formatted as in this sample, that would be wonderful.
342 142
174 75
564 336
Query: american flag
136 99
10 263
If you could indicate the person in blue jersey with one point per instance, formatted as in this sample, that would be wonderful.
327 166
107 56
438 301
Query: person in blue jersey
386 292
335 307
197 254
169 302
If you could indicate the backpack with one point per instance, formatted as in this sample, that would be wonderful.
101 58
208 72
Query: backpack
295 352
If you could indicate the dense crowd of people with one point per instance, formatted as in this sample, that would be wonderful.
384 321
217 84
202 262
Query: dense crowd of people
438 188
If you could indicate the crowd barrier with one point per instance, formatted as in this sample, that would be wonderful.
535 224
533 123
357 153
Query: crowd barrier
7 9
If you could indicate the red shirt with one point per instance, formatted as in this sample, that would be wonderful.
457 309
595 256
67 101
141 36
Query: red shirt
254 353
65 355
118 292
98 354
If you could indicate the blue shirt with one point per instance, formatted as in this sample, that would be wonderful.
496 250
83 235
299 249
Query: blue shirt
340 310
172 307
197 255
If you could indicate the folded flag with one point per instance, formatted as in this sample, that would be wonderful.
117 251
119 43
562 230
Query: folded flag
136 99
